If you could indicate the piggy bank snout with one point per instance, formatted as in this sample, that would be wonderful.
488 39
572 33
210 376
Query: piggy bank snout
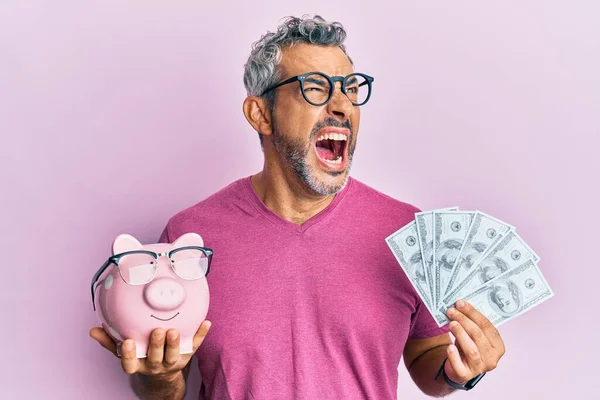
164 294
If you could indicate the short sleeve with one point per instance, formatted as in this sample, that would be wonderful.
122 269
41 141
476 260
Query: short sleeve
164 236
422 324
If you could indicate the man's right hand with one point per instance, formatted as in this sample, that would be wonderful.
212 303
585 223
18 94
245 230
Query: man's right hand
163 359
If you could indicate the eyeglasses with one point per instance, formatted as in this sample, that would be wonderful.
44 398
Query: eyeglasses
317 88
138 267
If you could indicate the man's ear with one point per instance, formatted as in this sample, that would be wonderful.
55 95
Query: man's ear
258 114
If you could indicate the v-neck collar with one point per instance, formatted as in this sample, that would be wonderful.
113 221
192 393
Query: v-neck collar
278 220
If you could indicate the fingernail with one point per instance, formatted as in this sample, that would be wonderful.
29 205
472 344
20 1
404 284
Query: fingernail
452 348
127 345
173 335
451 310
460 303
453 324
158 336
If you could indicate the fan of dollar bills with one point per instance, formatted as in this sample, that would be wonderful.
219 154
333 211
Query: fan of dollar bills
449 255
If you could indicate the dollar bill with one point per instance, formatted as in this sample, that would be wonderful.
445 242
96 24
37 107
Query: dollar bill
405 246
484 233
450 229
510 252
424 221
510 294
440 317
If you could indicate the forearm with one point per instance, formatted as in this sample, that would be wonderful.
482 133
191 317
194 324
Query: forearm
424 369
158 388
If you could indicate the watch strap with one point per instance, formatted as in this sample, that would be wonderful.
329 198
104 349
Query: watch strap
467 386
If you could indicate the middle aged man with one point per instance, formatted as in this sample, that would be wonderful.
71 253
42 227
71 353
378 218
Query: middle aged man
307 301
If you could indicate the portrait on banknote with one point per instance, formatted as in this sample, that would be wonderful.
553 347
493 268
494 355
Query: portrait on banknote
428 255
416 267
505 297
471 253
448 253
491 267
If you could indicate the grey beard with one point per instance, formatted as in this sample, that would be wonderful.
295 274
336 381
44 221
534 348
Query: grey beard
296 155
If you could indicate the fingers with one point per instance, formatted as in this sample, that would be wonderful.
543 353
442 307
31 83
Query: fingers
100 335
201 334
489 330
172 349
473 330
461 371
129 361
156 350
159 359
466 345
476 337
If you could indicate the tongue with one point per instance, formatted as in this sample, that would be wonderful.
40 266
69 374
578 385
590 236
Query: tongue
325 153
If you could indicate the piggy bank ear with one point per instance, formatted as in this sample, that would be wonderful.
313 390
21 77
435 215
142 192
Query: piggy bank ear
189 239
125 242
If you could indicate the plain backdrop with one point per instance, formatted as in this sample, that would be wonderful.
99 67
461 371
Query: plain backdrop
114 115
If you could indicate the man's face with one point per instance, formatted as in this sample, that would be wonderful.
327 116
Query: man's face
317 142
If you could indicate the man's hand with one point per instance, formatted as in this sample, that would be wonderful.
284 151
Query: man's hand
163 359
478 347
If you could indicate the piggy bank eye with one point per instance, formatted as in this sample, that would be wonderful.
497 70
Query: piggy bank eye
137 269
190 264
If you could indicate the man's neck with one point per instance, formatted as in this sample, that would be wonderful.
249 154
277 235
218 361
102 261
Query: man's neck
287 197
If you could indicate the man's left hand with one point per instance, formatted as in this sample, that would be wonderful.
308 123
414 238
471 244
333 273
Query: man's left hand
478 346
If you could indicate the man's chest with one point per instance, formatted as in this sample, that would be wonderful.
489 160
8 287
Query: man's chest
331 293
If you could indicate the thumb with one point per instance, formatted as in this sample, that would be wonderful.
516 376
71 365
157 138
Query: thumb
458 370
201 334
100 335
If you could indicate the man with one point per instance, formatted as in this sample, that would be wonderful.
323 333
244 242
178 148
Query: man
307 302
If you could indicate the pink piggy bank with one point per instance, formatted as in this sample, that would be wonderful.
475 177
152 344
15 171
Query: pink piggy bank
143 287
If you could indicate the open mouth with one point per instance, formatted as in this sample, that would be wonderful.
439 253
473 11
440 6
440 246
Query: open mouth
331 148
161 319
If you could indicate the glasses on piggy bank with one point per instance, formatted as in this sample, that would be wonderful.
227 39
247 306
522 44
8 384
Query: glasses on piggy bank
139 267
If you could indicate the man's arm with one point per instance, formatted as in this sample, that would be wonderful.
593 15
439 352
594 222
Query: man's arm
423 358
169 386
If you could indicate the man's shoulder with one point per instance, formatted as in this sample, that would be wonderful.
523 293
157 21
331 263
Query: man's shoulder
378 212
215 206
377 199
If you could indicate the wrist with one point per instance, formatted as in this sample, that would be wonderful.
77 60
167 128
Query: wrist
164 386
166 380
452 375
468 385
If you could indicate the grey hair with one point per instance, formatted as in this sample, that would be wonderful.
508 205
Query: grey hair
261 70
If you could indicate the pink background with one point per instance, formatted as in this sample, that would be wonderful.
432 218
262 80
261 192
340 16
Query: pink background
115 115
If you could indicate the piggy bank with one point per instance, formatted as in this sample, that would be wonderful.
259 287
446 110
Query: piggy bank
143 287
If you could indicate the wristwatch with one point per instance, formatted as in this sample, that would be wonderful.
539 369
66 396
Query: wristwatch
467 386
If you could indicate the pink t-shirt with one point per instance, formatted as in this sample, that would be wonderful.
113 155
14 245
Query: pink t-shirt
314 311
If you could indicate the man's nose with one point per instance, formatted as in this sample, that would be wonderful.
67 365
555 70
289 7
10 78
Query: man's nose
340 105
